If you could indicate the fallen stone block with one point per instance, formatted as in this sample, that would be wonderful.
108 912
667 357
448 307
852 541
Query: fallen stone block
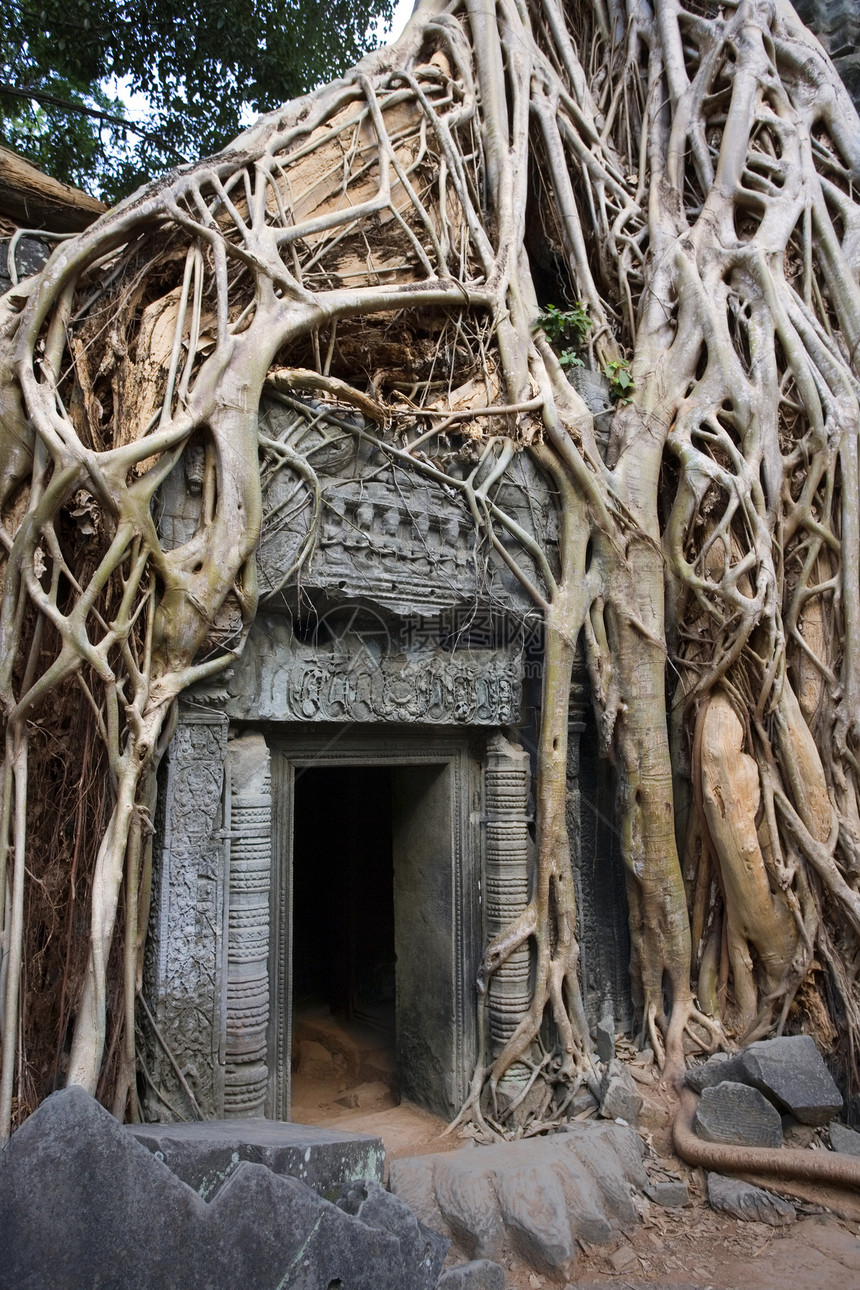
750 1204
619 1097
205 1153
582 1100
480 1274
708 1073
736 1113
367 1097
604 1038
85 1204
844 1139
790 1071
668 1193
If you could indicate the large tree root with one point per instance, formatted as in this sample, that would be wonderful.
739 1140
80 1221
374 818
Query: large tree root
830 1167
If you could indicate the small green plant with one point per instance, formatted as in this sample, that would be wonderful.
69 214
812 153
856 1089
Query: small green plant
620 381
567 331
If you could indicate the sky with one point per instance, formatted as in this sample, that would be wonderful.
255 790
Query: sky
137 103
402 13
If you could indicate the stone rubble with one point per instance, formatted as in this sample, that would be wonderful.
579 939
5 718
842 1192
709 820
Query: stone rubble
750 1204
619 1098
791 1073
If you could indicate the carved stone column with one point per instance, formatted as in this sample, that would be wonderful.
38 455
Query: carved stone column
506 859
183 964
247 995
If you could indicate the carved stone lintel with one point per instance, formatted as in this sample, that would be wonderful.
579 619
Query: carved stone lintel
247 1000
355 679
506 789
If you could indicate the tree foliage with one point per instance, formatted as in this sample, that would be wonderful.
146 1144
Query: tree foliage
684 177
200 66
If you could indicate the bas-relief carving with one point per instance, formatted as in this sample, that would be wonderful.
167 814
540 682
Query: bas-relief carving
392 537
184 976
353 678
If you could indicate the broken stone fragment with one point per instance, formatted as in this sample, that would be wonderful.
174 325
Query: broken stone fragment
736 1113
844 1139
604 1037
750 1204
708 1073
619 1099
790 1071
671 1194
582 1100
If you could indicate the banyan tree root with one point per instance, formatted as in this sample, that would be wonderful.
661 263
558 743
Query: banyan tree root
831 1168
373 260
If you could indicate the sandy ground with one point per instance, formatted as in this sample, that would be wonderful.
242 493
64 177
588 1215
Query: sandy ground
676 1249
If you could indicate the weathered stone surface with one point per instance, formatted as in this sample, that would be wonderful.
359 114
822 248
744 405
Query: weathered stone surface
422 1250
534 1211
536 1198
85 1204
583 1100
668 1193
204 1154
791 1073
708 1073
844 1139
467 1200
751 1204
619 1098
736 1113
480 1274
604 1038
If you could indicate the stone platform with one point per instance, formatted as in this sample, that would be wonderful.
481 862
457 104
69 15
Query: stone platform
205 1153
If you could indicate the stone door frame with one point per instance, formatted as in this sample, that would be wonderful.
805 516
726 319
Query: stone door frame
297 748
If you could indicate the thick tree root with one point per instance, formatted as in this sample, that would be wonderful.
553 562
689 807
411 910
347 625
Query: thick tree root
829 1167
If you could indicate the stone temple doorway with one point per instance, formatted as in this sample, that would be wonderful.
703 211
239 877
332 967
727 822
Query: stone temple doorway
375 904
343 895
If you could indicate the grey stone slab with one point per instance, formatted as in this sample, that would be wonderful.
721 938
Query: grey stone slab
480 1274
670 1194
844 1139
534 1210
750 1204
583 1100
205 1153
708 1073
791 1072
736 1113
84 1204
619 1099
604 1039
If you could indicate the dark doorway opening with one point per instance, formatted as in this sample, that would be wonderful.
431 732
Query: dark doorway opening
343 894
